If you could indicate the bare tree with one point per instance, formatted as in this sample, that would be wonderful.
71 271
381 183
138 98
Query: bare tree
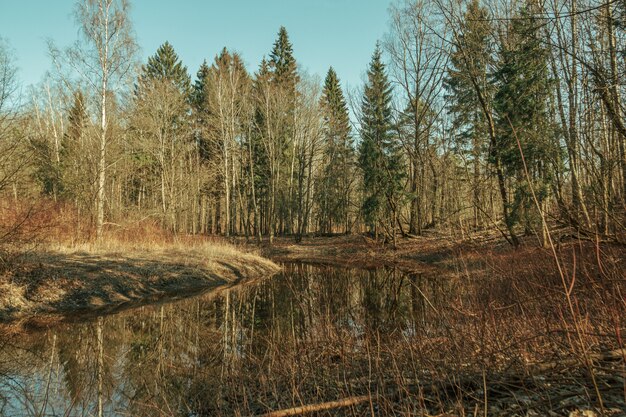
8 115
163 135
229 84
102 57
308 129
15 159
418 49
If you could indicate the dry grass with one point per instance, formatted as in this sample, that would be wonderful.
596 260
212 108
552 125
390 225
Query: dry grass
51 263
58 277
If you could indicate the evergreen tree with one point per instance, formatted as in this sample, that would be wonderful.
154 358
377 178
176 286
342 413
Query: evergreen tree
166 65
61 171
260 141
284 81
522 108
470 62
336 182
76 120
47 171
72 151
200 86
282 62
261 149
379 156
200 103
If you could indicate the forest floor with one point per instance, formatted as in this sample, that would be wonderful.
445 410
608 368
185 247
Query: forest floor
88 279
361 252
430 252
436 252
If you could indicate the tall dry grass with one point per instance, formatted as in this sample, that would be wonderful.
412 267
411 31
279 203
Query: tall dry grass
57 226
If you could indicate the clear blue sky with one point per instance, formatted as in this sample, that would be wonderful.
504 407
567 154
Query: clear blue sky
341 33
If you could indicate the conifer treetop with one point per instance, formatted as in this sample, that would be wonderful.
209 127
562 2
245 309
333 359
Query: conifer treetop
166 65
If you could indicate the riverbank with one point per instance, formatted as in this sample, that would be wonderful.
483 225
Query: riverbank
359 251
436 253
61 279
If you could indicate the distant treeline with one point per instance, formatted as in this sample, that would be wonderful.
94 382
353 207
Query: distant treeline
500 114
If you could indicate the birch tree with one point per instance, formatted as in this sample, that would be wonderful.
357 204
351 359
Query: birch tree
103 58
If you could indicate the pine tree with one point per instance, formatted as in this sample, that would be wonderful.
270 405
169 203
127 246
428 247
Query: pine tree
379 156
72 151
60 177
46 169
166 65
522 106
200 86
470 61
282 62
284 82
77 120
336 176
200 105
260 94
261 150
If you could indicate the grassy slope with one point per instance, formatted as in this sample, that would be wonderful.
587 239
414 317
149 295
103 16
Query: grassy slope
63 279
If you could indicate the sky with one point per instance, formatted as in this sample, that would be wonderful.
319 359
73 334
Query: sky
341 33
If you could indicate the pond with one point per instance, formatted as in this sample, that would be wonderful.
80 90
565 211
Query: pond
309 334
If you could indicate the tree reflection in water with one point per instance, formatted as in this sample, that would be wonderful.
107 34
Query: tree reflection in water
416 343
212 353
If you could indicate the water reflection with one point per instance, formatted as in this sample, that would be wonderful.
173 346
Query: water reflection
206 355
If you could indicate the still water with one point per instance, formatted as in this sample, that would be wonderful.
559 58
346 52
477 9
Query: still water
247 350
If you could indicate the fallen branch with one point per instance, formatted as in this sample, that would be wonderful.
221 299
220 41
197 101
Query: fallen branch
311 408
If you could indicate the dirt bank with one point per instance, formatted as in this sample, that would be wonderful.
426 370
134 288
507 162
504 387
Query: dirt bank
437 253
63 280
410 254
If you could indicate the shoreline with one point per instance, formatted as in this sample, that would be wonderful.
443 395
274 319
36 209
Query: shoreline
439 253
82 281
86 280
412 255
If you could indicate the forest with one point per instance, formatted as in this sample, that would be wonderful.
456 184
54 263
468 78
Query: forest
445 239
474 115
